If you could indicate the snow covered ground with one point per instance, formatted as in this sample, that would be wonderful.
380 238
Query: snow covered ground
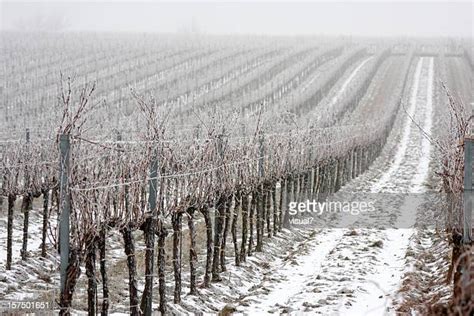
35 279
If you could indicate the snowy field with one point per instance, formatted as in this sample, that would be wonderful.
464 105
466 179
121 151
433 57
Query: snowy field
357 268
193 161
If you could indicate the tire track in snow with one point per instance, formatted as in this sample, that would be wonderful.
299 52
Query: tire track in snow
401 150
346 83
292 275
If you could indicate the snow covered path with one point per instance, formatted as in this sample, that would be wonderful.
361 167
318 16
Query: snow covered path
356 270
346 83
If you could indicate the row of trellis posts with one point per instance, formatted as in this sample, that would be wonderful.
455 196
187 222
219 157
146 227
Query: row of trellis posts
65 209
464 268
353 169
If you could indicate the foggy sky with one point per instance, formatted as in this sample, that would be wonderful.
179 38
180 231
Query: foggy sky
273 18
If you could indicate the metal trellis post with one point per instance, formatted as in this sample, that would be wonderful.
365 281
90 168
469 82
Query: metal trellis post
64 149
467 208
467 205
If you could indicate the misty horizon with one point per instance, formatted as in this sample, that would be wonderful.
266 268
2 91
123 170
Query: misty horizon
391 19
